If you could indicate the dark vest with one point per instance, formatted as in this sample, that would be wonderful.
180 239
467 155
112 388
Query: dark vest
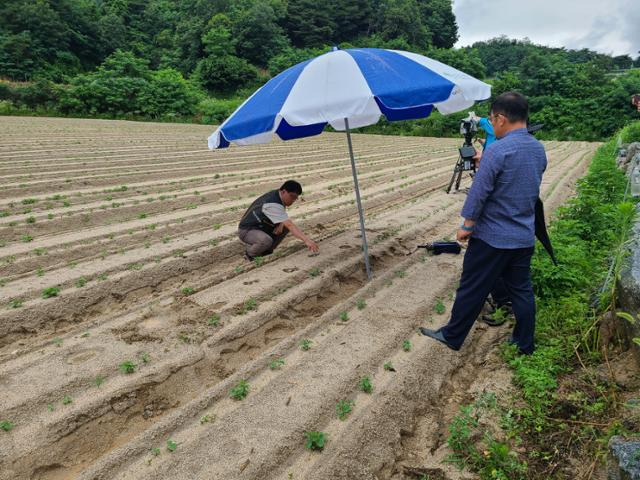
254 219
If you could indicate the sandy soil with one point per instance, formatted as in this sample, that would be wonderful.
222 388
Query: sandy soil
135 224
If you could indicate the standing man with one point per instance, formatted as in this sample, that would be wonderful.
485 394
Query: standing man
265 223
499 222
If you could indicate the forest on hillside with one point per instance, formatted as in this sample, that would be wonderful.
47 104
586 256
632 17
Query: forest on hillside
196 60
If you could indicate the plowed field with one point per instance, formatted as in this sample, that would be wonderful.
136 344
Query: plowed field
128 230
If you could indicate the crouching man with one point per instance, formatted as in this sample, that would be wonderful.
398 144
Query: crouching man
265 223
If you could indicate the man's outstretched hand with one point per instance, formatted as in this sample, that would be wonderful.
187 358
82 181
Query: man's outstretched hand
313 246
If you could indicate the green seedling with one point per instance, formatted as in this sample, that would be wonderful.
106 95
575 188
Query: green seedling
85 335
57 342
66 400
389 367
142 215
239 269
258 261
314 272
188 291
50 292
276 364
16 302
155 451
27 238
214 320
305 344
344 408
29 201
361 304
249 305
365 385
344 316
81 282
145 357
315 440
50 407
50 216
6 425
406 346
400 274
99 380
171 445
207 418
439 307
127 367
40 272
240 391
30 220
102 276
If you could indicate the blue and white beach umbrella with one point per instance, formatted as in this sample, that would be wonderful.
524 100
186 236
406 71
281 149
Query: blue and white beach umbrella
349 89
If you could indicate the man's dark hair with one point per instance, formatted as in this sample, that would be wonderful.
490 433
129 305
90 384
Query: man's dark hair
512 105
292 186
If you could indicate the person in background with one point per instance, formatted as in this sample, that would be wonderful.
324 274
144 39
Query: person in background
499 224
265 223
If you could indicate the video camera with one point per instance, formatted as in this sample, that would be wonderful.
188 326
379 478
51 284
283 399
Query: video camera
468 129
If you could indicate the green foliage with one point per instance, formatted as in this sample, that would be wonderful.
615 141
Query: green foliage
214 320
344 408
67 400
240 391
50 292
127 367
439 307
344 316
365 385
361 304
225 74
6 425
305 344
276 364
315 440
171 445
406 346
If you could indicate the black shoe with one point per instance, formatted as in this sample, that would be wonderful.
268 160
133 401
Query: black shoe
437 335
492 322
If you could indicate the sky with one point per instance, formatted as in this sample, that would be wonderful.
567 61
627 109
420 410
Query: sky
609 26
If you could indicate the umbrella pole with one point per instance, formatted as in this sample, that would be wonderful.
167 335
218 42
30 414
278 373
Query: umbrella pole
365 247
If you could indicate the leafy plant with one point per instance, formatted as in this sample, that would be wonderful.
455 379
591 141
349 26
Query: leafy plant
81 282
16 302
6 425
145 357
50 292
127 367
305 344
314 272
344 316
439 307
214 320
258 261
155 451
361 304
188 291
315 440
365 385
240 391
389 367
406 346
66 400
276 364
171 445
27 238
206 419
344 408
249 305
99 380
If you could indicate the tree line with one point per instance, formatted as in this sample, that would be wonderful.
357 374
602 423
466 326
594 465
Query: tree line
196 60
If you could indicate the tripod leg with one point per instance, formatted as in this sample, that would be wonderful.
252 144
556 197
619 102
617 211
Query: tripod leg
458 180
456 171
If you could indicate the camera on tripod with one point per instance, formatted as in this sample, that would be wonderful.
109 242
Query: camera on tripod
468 129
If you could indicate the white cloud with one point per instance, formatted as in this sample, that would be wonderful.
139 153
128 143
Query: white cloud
608 27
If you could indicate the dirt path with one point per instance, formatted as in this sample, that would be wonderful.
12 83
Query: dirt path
135 224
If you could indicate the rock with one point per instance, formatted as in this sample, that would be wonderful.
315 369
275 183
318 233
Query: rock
624 459
629 292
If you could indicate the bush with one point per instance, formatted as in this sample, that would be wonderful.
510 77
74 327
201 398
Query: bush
214 111
168 93
224 73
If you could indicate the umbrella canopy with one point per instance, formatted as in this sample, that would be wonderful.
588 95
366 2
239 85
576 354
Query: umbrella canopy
348 89
360 84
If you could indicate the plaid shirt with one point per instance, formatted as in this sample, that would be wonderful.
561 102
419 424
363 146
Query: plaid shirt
503 195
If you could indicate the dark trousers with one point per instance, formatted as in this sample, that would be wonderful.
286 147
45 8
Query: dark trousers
499 294
483 265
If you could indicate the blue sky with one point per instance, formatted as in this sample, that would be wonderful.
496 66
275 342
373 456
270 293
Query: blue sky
609 26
